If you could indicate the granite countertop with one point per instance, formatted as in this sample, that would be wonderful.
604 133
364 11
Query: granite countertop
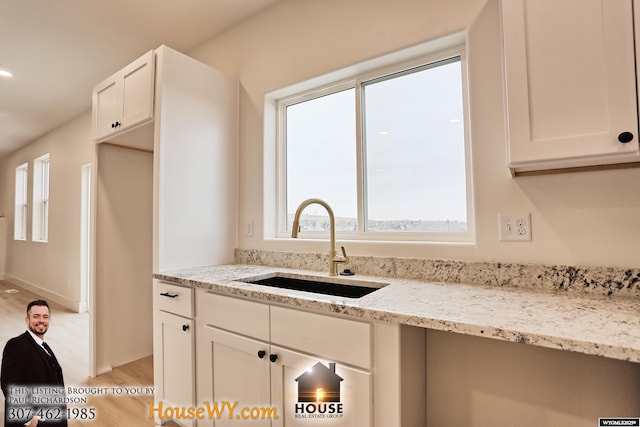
592 324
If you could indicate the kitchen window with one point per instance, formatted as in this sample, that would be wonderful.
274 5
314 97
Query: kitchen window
40 228
387 148
20 215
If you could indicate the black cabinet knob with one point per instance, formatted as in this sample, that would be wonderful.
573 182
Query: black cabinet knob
261 353
625 137
185 328
273 357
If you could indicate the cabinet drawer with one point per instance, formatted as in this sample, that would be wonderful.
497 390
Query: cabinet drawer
237 315
343 340
172 298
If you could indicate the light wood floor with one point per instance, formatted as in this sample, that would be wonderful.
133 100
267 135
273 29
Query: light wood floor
68 335
122 410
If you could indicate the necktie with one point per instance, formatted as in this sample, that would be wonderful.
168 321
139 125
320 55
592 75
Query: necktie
46 347
54 363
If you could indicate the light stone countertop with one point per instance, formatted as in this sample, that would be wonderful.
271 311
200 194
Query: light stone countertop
592 324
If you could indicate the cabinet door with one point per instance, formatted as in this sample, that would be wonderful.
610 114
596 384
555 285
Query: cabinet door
124 99
106 107
174 355
233 375
137 91
570 82
290 385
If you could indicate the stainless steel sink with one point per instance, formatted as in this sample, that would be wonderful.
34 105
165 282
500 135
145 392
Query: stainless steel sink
332 286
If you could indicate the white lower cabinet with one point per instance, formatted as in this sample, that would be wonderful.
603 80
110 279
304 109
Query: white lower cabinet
231 375
251 381
352 407
268 365
285 373
174 340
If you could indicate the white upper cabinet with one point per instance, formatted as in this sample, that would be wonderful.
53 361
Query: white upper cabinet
570 81
125 99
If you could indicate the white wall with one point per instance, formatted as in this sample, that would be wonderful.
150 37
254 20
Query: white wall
123 258
584 218
51 269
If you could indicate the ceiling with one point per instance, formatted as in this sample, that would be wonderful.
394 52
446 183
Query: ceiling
57 50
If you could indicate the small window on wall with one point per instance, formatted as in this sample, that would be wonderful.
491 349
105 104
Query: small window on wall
41 199
20 221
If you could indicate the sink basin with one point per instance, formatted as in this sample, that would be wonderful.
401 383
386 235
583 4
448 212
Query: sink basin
336 287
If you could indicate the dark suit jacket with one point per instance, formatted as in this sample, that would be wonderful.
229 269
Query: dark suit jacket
27 364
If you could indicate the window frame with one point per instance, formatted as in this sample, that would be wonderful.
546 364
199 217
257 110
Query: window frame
41 187
282 105
353 78
21 202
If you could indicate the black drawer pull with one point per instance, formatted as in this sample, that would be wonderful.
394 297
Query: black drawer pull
168 295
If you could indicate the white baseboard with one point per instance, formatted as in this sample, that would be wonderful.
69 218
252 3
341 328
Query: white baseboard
72 305
103 370
83 307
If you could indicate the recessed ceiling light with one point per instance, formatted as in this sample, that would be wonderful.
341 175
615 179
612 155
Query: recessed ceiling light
4 73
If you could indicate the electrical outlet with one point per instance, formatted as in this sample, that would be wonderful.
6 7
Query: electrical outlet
248 229
514 227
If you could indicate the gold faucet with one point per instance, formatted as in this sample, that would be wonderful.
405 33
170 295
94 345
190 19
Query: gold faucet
333 258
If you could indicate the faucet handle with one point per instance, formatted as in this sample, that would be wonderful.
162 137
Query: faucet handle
343 259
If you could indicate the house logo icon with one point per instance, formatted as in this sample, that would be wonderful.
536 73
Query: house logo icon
319 384
319 392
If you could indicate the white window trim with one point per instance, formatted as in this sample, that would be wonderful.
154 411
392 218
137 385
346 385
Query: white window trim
41 177
21 202
274 125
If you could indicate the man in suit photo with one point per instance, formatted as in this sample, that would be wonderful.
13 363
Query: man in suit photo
31 377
